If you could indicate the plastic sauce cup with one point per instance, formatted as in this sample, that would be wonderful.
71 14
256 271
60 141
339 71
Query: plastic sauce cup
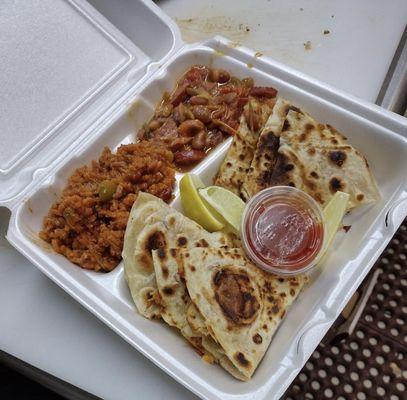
283 230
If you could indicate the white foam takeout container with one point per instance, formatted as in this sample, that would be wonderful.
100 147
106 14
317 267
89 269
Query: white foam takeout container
75 84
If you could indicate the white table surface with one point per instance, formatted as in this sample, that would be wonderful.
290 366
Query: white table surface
42 325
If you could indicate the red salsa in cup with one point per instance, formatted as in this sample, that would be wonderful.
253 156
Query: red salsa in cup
283 230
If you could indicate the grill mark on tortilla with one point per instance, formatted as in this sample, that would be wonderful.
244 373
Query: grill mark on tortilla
242 360
155 241
281 175
168 290
145 259
257 338
293 108
234 294
182 241
338 157
335 184
161 253
202 243
164 271
286 126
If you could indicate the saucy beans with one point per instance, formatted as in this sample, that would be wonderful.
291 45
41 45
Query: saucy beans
205 106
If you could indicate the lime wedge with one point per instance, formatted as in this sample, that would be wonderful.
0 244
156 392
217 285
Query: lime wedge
193 205
333 214
228 206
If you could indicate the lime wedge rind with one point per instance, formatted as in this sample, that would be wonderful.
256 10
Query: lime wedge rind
193 205
333 214
226 204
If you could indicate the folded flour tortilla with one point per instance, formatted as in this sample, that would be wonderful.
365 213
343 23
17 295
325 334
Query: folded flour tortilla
240 304
263 161
319 160
141 237
233 170
295 150
154 236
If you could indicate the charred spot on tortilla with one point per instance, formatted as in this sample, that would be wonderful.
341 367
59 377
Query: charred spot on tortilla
264 177
314 175
145 260
294 108
161 253
185 299
268 287
257 338
171 221
149 294
269 141
192 268
242 360
292 292
168 290
308 127
311 151
270 298
155 241
202 243
286 126
360 197
275 310
164 270
338 157
335 184
182 241
318 198
235 296
173 252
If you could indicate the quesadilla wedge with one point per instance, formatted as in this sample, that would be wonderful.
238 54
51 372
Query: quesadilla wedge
141 237
264 158
180 232
151 269
317 159
177 310
237 161
241 305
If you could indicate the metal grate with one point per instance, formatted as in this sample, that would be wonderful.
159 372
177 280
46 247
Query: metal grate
371 363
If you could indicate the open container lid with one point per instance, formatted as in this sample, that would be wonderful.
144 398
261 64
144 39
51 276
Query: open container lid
63 65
